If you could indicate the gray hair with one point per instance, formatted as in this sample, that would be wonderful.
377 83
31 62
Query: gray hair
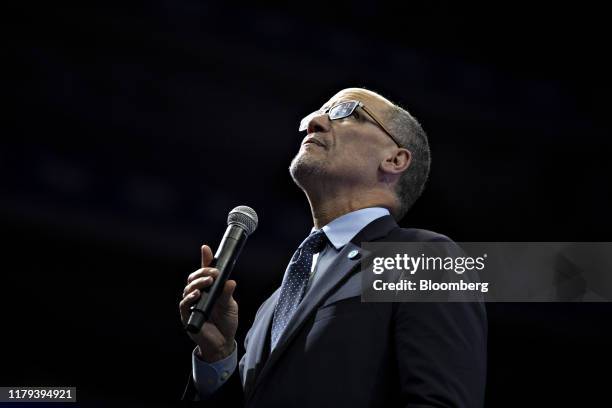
409 133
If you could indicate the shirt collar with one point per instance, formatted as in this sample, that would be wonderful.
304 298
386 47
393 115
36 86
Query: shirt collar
341 230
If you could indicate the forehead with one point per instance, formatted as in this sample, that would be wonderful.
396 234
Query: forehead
370 99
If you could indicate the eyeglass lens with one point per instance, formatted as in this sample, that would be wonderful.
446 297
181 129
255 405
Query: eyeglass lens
342 110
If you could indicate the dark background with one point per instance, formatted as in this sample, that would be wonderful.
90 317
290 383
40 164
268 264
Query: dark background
133 129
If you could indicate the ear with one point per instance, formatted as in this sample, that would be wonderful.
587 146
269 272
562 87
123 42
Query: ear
396 162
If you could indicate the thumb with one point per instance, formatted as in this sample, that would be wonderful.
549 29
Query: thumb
207 255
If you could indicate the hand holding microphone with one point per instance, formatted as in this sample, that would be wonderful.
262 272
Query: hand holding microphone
208 309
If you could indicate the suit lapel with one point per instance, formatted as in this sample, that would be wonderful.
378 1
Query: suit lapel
341 267
331 278
257 354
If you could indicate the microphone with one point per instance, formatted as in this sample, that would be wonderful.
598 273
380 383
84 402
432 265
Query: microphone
241 222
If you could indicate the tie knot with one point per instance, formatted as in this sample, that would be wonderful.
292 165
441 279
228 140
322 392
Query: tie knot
315 242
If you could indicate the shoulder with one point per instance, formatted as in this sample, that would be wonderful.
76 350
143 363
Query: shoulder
415 235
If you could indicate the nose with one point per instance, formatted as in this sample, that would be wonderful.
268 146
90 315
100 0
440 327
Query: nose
318 123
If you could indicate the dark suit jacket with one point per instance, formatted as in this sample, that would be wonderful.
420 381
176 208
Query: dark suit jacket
340 352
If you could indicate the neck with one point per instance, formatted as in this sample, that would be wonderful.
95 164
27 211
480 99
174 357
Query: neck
328 205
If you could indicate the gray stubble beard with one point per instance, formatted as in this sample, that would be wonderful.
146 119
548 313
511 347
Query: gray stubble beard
306 170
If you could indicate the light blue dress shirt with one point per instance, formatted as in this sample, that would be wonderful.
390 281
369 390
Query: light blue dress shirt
208 377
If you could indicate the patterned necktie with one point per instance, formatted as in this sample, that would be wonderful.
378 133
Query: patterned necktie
295 281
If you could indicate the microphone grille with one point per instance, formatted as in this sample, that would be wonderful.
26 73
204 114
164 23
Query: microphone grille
245 217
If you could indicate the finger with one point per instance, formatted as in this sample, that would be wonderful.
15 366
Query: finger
207 256
202 272
228 291
186 303
199 283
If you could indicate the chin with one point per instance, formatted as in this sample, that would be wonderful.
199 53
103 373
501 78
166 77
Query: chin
305 169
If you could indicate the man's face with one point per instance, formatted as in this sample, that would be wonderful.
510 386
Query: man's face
347 150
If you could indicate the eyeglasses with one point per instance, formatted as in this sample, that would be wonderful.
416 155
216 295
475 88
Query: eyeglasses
341 111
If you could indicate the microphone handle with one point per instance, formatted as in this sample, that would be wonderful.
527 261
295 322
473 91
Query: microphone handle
229 249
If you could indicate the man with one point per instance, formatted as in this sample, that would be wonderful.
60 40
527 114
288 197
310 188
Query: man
313 343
